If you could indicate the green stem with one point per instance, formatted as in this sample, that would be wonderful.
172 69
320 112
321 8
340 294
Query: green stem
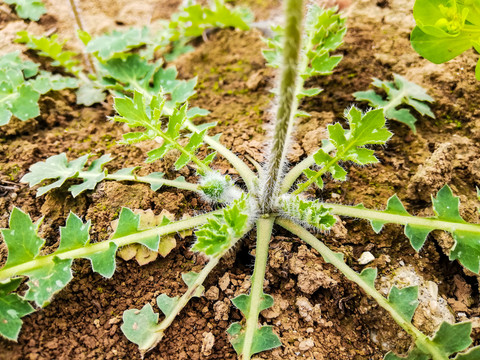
287 104
264 233
202 168
187 296
244 171
154 181
395 101
298 169
421 340
382 216
94 248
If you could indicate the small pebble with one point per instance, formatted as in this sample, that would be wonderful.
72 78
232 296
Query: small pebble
366 258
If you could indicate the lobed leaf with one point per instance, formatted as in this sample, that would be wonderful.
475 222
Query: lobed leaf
242 303
309 212
399 92
137 112
404 301
58 168
166 304
52 48
23 243
263 339
324 32
139 326
446 208
12 309
219 232
48 274
114 44
20 91
193 20
448 340
365 129
46 281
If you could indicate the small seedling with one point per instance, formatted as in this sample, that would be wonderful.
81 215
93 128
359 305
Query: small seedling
256 201
21 85
399 92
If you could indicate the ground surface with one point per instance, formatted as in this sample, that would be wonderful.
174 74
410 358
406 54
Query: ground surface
318 314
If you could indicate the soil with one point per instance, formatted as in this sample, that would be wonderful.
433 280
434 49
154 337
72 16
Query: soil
318 314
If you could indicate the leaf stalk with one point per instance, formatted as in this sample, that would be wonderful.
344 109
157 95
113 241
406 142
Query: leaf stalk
94 248
264 232
422 341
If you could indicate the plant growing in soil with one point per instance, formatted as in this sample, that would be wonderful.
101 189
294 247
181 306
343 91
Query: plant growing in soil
272 196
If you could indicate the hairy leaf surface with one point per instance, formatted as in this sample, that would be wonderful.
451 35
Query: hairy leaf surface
220 230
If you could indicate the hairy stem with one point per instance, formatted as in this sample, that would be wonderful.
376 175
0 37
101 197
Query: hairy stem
154 181
421 340
103 246
298 169
287 104
378 215
244 171
78 20
264 233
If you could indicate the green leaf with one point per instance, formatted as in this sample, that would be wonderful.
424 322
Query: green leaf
324 32
446 208
189 279
28 9
399 92
264 338
365 129
218 233
46 82
12 309
22 241
472 354
453 338
128 224
394 206
442 30
89 93
308 212
242 303
448 340
405 301
369 275
193 20
139 326
92 176
75 234
166 304
133 72
104 262
44 282
58 168
52 48
467 244
113 44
